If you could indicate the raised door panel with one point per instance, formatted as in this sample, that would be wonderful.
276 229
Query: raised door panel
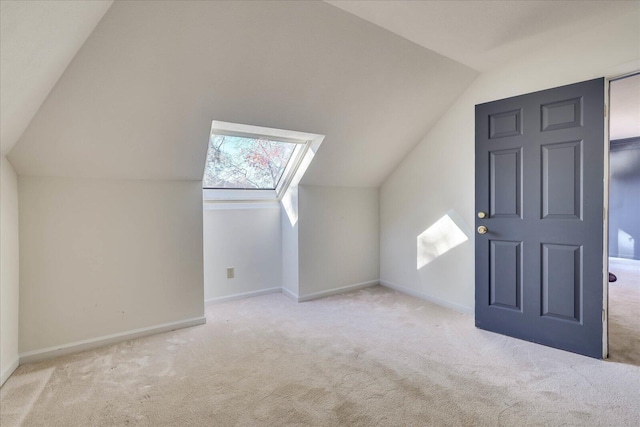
505 183
505 282
562 281
505 124
561 115
562 180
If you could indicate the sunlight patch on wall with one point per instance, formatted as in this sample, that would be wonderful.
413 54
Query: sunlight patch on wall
438 239
290 204
290 199
626 245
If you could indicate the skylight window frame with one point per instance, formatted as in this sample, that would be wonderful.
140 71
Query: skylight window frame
304 141
249 136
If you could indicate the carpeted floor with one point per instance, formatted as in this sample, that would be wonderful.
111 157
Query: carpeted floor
366 358
624 311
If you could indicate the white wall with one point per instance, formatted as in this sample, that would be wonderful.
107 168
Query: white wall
9 270
334 244
338 238
104 257
247 239
438 174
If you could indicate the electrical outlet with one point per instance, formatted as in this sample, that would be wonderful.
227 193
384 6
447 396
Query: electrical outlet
230 272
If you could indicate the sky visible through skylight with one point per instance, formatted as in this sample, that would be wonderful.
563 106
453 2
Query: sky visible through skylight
237 162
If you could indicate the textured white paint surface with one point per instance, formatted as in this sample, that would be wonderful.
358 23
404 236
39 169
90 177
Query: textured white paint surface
9 269
38 40
248 240
339 240
487 33
290 247
103 257
138 100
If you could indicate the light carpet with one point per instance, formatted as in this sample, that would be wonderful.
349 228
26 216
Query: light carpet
624 311
373 357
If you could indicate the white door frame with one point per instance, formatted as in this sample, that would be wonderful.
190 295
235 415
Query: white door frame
605 217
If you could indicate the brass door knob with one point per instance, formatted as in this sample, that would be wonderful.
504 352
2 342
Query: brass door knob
482 229
482 215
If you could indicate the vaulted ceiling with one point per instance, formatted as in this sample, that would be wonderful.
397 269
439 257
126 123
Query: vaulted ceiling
38 39
136 100
484 34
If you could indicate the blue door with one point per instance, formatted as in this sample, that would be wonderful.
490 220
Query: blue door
539 225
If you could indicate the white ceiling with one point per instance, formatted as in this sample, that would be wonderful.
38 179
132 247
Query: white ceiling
138 99
38 39
484 34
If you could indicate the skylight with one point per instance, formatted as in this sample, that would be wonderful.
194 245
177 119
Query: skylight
252 163
245 162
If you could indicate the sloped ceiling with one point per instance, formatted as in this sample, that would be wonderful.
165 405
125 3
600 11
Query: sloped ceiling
38 39
138 99
483 34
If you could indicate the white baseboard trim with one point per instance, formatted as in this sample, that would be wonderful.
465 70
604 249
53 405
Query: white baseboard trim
242 295
290 294
427 297
78 346
336 291
4 375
